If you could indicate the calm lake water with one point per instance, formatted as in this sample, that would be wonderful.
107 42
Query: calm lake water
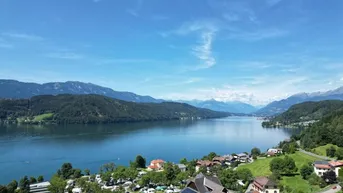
41 150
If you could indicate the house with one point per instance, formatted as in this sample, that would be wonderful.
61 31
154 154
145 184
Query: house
229 159
264 185
39 187
243 157
320 167
156 164
219 160
203 163
204 184
273 152
182 167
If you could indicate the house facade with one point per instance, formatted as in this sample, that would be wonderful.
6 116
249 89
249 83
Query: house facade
265 185
320 167
203 163
273 152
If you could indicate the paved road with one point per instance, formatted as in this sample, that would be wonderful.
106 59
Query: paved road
312 154
315 155
250 188
333 190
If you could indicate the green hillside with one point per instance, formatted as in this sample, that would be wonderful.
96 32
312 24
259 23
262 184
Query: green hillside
82 109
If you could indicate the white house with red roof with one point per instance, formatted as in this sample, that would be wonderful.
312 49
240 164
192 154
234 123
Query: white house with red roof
264 185
156 164
320 167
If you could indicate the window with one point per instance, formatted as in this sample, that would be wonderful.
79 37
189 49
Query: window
267 191
275 191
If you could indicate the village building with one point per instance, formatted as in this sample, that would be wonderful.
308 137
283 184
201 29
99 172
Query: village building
182 167
156 164
273 152
204 184
320 167
264 185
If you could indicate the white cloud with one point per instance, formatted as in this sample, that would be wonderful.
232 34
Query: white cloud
258 35
65 55
255 90
23 36
203 51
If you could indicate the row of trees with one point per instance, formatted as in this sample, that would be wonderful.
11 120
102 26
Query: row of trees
24 185
333 152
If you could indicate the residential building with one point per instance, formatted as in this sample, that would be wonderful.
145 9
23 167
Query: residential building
273 152
229 159
204 184
320 167
203 163
243 157
156 164
41 187
182 167
219 160
264 185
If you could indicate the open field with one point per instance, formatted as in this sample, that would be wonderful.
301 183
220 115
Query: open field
260 167
42 117
321 150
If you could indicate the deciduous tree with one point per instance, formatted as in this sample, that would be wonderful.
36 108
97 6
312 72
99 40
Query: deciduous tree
140 162
57 184
329 177
24 185
12 186
255 151
306 171
40 179
331 151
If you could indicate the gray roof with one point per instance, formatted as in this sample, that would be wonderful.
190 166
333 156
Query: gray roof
242 155
321 162
181 166
205 184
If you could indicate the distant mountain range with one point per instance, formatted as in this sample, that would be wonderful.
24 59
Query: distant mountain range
233 107
15 90
281 106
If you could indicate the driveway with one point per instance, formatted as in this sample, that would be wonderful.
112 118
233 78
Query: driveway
333 190
249 188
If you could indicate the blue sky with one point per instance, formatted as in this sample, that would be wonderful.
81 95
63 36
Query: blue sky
254 51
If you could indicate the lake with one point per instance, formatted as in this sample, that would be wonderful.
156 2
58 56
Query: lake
41 150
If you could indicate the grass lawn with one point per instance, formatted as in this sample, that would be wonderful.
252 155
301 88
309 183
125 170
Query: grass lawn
261 168
321 150
42 117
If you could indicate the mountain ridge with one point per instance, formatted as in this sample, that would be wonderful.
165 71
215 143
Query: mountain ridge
233 106
17 89
277 107
89 109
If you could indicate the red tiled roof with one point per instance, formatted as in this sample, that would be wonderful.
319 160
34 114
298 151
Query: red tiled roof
221 159
336 163
322 166
156 161
204 163
262 181
153 166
